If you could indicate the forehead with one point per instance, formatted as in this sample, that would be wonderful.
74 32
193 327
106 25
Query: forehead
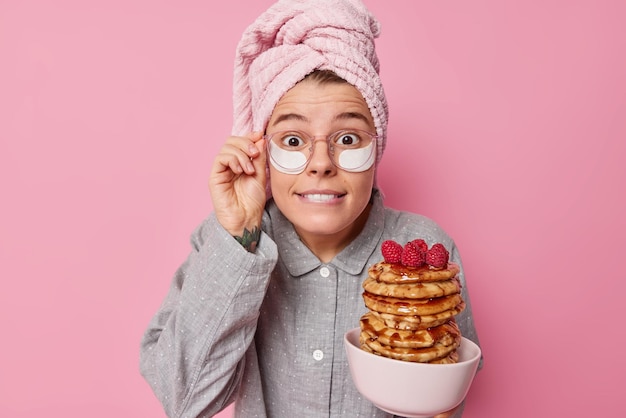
310 100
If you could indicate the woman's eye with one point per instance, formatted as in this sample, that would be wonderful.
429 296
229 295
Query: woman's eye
292 141
350 139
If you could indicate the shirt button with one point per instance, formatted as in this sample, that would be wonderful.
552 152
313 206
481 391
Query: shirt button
324 272
318 355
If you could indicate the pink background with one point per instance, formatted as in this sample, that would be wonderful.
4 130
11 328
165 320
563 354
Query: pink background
507 127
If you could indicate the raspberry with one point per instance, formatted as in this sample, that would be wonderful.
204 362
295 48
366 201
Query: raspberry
437 256
420 243
392 251
413 256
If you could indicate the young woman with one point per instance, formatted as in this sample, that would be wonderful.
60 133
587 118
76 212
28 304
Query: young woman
258 311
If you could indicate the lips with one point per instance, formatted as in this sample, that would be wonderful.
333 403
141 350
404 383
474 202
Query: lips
320 197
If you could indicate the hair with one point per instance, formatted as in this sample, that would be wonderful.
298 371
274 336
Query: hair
325 77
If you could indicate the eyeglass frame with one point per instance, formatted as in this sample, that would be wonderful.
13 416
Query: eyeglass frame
311 148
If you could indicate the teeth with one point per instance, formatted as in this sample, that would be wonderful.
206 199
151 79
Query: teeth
319 197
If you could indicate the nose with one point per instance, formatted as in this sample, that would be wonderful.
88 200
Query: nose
320 162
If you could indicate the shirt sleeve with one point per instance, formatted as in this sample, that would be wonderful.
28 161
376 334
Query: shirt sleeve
192 352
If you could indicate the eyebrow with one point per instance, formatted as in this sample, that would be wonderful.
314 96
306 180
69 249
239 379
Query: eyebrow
302 118
352 115
289 116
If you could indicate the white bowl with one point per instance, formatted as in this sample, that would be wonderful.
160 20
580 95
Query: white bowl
411 389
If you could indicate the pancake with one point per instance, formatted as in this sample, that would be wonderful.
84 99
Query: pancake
419 355
375 328
419 321
399 274
400 306
452 358
420 290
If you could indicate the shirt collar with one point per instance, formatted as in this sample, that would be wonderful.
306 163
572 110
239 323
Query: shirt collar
299 260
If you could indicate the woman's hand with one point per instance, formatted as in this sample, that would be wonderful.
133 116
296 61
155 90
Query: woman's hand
237 185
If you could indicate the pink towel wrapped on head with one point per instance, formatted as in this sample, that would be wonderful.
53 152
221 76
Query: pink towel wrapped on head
292 39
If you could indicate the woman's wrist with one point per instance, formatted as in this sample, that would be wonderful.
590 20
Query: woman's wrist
249 238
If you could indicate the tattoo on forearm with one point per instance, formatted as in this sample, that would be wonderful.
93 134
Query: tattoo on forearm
249 239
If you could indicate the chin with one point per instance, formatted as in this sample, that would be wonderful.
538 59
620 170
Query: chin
324 226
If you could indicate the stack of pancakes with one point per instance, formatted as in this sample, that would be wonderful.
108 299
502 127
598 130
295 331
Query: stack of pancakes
412 311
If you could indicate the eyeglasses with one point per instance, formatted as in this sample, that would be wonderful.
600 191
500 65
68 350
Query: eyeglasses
351 150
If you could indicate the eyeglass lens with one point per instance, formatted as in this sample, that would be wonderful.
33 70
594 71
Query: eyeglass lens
290 151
